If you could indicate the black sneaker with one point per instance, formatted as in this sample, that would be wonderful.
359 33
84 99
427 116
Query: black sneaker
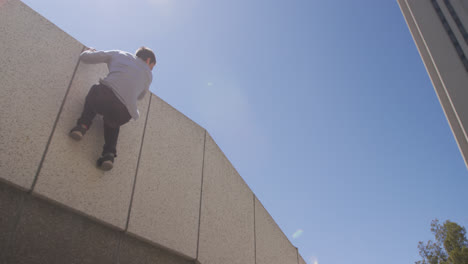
77 132
106 161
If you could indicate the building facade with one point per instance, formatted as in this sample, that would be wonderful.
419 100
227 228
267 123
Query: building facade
440 31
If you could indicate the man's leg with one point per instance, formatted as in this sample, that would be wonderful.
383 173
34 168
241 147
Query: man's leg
115 115
88 114
111 134
89 109
109 151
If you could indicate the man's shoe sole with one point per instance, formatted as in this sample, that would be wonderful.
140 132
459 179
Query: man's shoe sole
107 165
76 135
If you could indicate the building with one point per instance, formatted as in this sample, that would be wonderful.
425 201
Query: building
439 29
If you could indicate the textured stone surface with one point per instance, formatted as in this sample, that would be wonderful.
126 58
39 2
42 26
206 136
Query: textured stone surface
166 204
69 174
49 234
37 62
11 200
227 213
273 247
133 251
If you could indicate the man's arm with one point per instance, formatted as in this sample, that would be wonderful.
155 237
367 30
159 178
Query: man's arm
92 56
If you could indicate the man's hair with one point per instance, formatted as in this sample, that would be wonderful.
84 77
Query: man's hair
145 53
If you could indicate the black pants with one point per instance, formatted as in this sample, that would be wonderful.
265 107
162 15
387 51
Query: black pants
102 100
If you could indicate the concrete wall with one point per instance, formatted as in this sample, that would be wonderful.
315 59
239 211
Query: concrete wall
172 195
443 63
36 231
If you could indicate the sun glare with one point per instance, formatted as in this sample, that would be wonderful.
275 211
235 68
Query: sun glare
313 260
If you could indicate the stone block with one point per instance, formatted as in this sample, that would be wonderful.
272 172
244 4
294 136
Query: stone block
166 203
69 174
37 63
49 234
273 247
227 212
301 260
133 251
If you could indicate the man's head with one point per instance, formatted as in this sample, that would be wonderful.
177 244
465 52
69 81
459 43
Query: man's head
147 55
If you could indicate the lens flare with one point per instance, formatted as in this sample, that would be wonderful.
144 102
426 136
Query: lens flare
298 233
313 260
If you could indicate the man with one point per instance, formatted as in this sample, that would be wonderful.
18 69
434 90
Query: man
115 97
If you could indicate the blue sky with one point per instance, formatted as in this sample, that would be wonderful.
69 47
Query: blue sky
324 108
